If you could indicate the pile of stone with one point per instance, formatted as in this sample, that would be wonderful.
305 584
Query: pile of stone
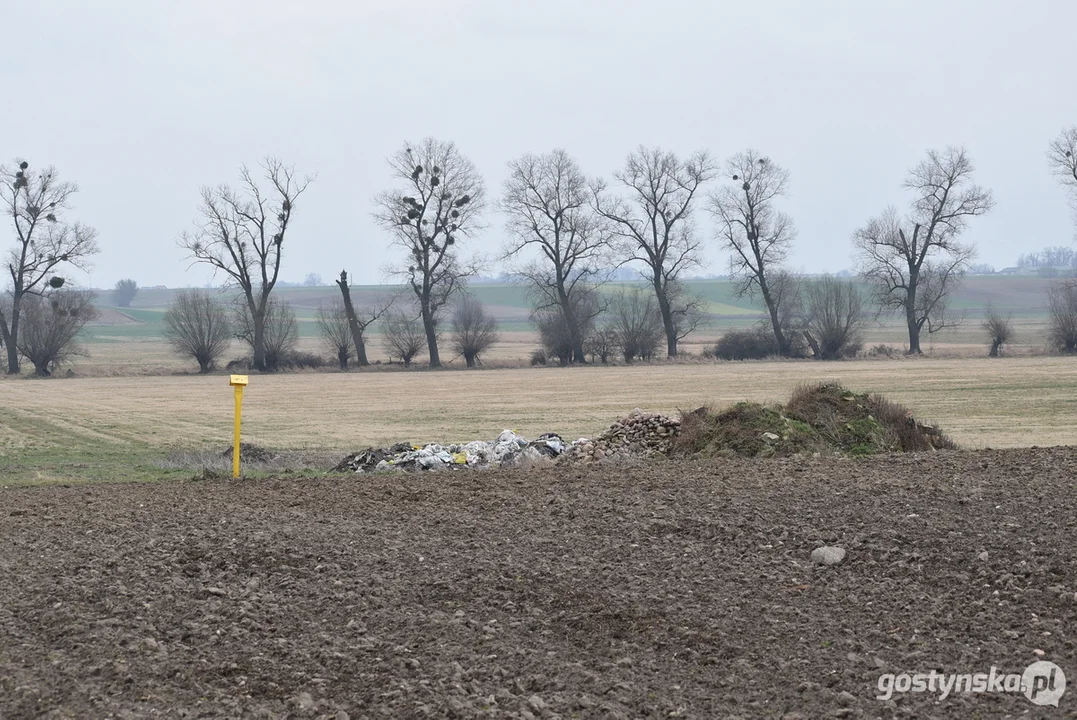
638 434
508 450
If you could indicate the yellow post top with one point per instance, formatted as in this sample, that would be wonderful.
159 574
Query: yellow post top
238 380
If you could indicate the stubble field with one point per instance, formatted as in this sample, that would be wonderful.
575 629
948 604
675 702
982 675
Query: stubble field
1009 402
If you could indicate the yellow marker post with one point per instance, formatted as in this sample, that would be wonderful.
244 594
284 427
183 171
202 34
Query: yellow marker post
238 382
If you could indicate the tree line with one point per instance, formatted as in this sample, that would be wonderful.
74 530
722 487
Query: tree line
565 232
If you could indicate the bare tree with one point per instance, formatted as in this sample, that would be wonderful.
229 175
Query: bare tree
403 336
439 202
637 323
655 224
473 329
546 199
1062 156
914 262
242 233
197 325
280 330
998 328
757 234
336 332
51 324
835 318
1055 256
124 292
312 280
359 319
44 241
1062 324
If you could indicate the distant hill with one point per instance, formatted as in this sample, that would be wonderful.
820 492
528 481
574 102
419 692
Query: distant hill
1022 295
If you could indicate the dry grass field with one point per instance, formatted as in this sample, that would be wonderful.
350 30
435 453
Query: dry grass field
1007 402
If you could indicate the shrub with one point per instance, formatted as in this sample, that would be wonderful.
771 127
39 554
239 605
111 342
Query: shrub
1062 325
336 331
637 325
244 364
50 325
883 350
403 336
601 344
197 326
753 344
998 328
835 318
301 360
538 357
473 330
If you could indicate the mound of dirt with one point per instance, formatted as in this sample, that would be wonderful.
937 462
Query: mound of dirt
251 453
825 419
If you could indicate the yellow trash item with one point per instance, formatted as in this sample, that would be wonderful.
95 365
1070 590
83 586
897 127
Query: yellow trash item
460 458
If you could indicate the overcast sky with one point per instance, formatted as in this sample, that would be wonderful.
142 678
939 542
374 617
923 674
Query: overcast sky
143 101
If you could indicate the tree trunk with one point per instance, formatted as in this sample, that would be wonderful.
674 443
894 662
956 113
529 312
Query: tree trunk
470 360
12 356
668 325
813 344
259 345
775 321
431 333
573 325
342 358
910 316
995 344
353 320
12 338
914 332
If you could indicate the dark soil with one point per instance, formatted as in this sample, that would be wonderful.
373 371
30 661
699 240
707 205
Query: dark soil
673 588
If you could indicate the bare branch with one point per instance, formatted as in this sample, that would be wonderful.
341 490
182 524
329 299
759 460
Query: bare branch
654 219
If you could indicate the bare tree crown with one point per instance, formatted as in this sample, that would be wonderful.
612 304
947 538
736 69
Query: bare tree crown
242 231
1062 156
440 200
655 216
546 200
37 202
757 234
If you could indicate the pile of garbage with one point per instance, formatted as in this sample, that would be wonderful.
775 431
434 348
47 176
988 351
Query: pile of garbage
639 435
508 450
